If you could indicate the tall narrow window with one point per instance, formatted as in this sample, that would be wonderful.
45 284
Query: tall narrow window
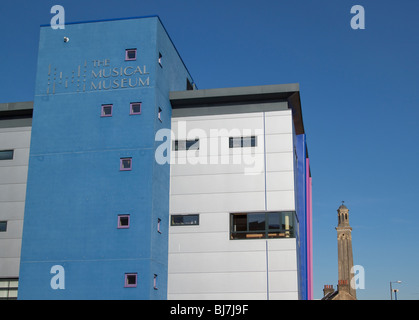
3 226
125 164
130 280
159 114
130 54
160 59
135 108
158 225
6 154
106 110
155 282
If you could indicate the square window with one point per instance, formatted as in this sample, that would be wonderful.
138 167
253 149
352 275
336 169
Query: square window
130 280
123 221
106 110
130 54
135 108
125 164
3 226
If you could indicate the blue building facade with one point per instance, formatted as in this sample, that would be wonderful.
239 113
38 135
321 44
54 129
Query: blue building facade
97 203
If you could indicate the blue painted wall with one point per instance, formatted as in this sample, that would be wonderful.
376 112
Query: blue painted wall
75 188
300 145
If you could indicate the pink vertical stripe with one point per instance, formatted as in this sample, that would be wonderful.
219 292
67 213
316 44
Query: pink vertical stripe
309 233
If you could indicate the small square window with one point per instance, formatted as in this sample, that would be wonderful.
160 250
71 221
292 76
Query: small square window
106 110
130 54
3 226
135 108
123 221
130 280
125 164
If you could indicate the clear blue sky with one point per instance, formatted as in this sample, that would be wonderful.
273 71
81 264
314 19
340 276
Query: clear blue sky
359 92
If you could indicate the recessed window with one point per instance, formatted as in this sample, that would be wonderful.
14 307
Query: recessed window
130 280
155 282
184 220
3 226
242 142
135 108
160 59
158 225
130 54
6 154
186 145
262 225
125 164
159 114
123 221
106 110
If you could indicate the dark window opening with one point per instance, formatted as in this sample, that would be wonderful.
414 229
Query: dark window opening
185 220
262 225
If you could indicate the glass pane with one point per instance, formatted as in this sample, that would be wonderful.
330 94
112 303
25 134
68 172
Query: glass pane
107 110
256 221
239 222
126 163
4 283
13 293
274 221
247 141
6 154
192 144
3 226
181 220
131 54
136 108
123 221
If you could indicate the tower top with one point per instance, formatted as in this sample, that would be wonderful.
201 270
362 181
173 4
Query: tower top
342 206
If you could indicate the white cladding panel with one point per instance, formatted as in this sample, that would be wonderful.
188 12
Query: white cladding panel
13 177
215 181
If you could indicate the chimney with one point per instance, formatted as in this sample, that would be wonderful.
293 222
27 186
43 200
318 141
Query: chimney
343 285
328 288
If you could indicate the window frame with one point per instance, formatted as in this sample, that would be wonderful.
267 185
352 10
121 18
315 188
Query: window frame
7 152
103 114
3 223
119 225
121 161
252 232
186 145
173 224
127 58
232 140
126 284
131 111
